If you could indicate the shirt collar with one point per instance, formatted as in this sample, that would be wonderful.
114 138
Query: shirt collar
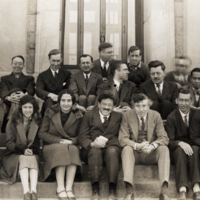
143 117
161 85
117 83
53 72
137 67
183 114
102 116
86 74
102 63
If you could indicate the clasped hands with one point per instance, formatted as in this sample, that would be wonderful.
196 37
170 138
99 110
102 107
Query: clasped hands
15 97
121 109
65 141
98 143
28 152
186 148
145 147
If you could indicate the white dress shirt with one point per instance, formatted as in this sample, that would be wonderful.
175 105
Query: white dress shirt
86 74
53 72
102 64
102 117
161 87
183 116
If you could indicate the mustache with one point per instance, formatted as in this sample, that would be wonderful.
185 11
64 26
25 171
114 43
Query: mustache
106 109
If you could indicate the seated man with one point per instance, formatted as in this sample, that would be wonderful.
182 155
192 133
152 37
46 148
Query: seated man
139 71
52 81
119 86
181 146
14 86
194 88
99 138
162 93
84 83
102 65
144 141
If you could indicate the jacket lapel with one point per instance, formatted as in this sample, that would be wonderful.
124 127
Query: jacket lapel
124 91
111 123
21 132
91 81
82 80
32 132
97 120
70 121
150 126
50 76
165 90
134 125
153 94
99 69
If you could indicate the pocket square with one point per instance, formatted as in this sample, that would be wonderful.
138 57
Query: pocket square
64 83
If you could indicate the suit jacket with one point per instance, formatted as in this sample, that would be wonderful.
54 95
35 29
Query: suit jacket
170 91
46 83
91 128
176 129
78 84
127 92
128 132
195 128
10 84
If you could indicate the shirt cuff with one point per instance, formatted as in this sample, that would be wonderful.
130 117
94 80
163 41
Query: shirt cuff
155 145
135 146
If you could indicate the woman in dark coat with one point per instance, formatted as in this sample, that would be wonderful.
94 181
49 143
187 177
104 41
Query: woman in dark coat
59 132
22 142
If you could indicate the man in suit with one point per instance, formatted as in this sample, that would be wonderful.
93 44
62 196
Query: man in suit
102 65
52 81
181 146
162 93
194 88
84 83
13 87
122 89
143 138
139 71
98 136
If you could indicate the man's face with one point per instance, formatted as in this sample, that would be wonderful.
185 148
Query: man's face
142 108
17 65
106 54
157 74
55 61
86 64
181 69
123 72
106 106
195 79
184 101
135 57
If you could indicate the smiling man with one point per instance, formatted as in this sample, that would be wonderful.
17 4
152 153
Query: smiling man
162 93
84 83
52 81
143 138
98 136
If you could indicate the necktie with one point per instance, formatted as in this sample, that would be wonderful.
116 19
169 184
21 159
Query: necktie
120 89
159 90
186 121
143 125
55 75
105 119
104 70
86 78
197 93
134 68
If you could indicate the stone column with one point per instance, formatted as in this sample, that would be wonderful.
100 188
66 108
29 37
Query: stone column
159 34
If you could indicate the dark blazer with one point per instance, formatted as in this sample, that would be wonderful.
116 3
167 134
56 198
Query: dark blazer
170 91
195 128
176 129
46 83
78 84
10 84
128 133
127 92
91 128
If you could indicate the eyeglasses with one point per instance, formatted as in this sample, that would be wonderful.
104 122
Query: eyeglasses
17 63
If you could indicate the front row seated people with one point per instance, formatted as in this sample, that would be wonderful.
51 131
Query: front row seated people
144 141
59 132
22 142
99 138
181 146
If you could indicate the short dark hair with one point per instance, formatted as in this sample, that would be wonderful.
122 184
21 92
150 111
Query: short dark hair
54 52
195 70
18 56
139 97
66 91
134 48
105 45
107 95
116 65
156 63
84 56
184 91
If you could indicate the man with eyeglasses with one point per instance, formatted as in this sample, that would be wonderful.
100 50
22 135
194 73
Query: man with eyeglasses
194 88
162 93
13 87
181 146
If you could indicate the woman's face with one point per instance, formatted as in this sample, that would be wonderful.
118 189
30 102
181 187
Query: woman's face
66 103
27 110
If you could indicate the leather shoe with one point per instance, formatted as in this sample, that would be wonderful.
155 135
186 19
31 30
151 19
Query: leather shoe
27 196
182 196
112 195
95 195
129 196
196 196
34 196
164 197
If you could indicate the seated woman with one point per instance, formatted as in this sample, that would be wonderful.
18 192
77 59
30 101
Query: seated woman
59 131
22 142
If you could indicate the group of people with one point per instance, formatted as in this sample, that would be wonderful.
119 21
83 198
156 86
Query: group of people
110 111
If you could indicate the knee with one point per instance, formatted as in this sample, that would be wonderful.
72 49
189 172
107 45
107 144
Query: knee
92 97
82 98
179 152
127 150
94 152
163 150
112 150
195 149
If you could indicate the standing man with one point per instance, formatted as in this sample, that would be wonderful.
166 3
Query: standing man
139 71
84 83
181 146
99 138
122 89
144 141
194 88
52 81
102 65
162 93
14 86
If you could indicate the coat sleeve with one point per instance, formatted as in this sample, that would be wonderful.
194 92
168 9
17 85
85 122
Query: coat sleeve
99 82
36 146
40 88
175 95
73 86
4 90
195 128
30 88
44 132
